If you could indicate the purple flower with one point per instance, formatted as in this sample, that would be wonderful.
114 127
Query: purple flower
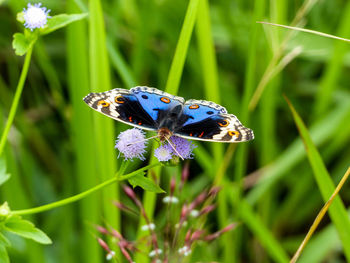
183 147
163 153
35 16
131 143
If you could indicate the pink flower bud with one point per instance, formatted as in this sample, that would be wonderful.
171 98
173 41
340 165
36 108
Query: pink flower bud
207 209
103 245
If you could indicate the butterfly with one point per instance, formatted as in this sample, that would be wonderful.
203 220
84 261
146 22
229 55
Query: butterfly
152 109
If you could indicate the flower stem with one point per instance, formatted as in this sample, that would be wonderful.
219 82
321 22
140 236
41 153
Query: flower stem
16 99
83 194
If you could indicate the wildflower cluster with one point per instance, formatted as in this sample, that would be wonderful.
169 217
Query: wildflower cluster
174 239
132 143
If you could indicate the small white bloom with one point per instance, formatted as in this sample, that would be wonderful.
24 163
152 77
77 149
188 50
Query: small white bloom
184 224
35 16
110 255
170 199
151 226
185 250
194 213
157 251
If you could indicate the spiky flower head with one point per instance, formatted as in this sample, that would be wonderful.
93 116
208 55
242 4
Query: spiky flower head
131 143
183 147
35 16
163 153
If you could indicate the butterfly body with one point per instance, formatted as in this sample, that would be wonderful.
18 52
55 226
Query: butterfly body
152 109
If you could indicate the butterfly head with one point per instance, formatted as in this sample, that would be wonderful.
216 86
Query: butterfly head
164 134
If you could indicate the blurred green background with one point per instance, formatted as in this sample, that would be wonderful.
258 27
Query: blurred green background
59 147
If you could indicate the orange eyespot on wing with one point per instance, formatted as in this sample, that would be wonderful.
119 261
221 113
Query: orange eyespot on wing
193 106
165 99
233 133
223 123
119 99
103 103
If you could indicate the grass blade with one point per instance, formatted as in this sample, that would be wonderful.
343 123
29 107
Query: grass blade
337 212
177 65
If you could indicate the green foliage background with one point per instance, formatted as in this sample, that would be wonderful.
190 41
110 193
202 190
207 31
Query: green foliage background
59 147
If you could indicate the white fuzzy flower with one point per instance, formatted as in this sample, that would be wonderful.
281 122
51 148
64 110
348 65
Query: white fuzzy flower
194 213
151 226
185 250
110 255
35 16
155 252
170 200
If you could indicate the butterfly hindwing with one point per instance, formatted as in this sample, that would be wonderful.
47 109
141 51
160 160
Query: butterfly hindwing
121 105
218 128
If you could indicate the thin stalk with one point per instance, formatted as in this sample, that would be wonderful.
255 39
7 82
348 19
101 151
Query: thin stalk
319 217
16 99
83 194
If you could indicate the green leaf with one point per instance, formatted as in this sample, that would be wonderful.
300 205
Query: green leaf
4 241
59 21
26 229
3 175
4 258
337 210
145 183
20 44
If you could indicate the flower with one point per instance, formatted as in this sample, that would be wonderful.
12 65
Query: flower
131 143
163 153
155 252
185 250
183 147
35 16
170 200
150 226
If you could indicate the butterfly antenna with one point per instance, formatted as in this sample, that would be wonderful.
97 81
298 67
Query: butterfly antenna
143 140
173 146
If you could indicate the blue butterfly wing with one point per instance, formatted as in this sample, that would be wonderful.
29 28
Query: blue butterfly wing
154 101
198 110
122 105
207 121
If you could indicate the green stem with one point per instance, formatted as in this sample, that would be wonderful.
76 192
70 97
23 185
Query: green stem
83 194
16 99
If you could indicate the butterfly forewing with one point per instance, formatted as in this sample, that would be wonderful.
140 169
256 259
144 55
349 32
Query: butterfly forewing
121 105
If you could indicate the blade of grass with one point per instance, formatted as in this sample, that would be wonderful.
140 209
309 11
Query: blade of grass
261 232
242 151
120 65
306 30
104 132
77 56
337 212
278 54
177 64
212 91
319 217
334 67
324 243
320 132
